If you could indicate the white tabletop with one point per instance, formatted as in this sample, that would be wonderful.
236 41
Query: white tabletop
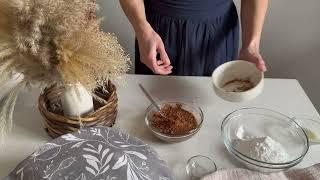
282 95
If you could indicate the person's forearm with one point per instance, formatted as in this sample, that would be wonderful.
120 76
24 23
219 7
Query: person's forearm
135 11
252 19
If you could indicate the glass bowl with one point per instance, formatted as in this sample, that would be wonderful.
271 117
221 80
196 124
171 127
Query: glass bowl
200 166
196 111
245 124
311 126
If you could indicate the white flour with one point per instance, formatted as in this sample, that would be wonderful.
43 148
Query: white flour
263 149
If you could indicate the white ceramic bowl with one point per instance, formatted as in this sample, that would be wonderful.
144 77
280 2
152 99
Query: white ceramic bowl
237 69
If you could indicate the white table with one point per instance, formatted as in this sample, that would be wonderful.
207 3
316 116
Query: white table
282 95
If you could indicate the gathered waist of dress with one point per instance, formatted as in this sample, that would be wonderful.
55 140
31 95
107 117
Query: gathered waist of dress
189 8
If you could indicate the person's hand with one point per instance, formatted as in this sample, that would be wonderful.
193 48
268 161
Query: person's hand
253 55
150 45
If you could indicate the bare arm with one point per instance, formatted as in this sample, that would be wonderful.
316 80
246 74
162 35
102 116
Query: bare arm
150 43
135 11
253 13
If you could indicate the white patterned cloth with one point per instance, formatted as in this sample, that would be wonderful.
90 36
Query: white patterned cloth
93 153
310 173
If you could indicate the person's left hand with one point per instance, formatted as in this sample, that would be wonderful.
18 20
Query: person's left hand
253 55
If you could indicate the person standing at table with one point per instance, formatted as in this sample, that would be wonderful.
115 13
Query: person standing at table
193 37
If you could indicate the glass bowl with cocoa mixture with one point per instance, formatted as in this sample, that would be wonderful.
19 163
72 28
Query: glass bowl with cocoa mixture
177 122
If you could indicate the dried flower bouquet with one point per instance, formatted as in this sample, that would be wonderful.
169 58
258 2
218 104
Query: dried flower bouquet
54 42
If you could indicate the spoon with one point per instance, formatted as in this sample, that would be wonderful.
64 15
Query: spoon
153 102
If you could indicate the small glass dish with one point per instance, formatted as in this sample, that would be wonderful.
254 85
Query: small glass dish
200 166
196 111
244 124
311 126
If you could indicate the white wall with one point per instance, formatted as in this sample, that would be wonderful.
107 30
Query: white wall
290 42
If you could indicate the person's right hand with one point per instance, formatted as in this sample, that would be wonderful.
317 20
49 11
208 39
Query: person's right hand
150 45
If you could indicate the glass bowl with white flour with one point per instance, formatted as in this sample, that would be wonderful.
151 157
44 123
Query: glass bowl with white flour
263 139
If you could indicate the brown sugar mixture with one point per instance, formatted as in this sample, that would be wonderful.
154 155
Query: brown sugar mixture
177 121
238 85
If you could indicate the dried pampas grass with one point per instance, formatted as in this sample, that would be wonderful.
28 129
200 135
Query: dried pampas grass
7 104
54 42
86 62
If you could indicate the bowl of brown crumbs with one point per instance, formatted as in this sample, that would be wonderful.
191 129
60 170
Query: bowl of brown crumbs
178 121
237 81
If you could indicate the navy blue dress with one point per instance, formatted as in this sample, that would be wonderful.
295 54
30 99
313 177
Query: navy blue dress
199 35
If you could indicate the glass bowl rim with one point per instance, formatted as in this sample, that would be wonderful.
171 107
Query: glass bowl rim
226 119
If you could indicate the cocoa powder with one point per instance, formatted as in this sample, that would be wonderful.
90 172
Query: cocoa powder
175 120
238 85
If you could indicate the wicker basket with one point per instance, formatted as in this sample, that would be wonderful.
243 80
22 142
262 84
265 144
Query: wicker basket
57 124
